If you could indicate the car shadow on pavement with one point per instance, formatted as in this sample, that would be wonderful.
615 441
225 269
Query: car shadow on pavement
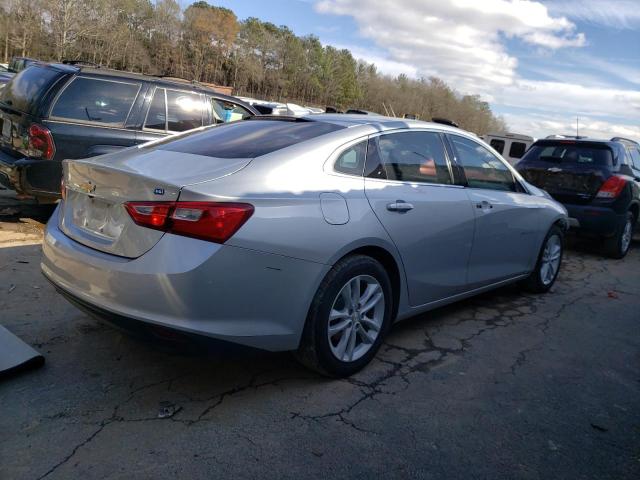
593 246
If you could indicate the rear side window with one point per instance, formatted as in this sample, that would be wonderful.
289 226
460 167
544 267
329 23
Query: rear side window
408 157
157 114
27 88
184 111
481 167
224 112
97 101
249 139
517 149
497 145
351 161
571 153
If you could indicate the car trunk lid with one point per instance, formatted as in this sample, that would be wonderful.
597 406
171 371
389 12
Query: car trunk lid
93 211
571 172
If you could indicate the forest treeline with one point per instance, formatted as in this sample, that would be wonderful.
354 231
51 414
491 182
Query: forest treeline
209 44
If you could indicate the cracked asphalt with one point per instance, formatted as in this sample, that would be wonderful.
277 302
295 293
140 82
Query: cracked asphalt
502 386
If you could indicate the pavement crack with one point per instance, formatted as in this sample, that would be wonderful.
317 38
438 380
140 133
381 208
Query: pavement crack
76 448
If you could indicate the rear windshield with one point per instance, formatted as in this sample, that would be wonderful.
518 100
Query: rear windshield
24 91
248 139
571 153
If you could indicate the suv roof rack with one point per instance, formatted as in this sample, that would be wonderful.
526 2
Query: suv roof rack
574 137
622 139
445 121
81 62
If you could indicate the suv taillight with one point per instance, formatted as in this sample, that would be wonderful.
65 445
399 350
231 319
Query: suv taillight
40 142
212 221
612 187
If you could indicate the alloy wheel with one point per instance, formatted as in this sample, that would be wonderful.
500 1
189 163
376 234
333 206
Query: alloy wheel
355 318
550 259
627 233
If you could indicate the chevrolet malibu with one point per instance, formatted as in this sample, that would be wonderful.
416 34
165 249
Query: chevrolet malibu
309 234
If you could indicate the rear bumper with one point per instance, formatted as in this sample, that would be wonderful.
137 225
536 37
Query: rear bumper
601 221
30 176
9 173
229 293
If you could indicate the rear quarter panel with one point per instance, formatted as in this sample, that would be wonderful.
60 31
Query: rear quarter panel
285 189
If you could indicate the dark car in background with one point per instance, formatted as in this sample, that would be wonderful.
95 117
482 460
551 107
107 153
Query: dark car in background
18 64
52 112
598 181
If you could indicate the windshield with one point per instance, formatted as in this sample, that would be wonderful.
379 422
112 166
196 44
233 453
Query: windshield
571 153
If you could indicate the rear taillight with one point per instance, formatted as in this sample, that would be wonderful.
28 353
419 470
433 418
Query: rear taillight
612 187
40 142
212 221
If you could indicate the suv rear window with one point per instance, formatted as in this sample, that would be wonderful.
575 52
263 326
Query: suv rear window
24 91
97 101
247 139
571 153
517 149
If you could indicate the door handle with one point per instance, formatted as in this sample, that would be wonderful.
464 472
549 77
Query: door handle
484 205
399 206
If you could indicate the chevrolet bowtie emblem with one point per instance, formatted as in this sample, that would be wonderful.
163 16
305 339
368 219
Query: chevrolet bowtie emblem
86 187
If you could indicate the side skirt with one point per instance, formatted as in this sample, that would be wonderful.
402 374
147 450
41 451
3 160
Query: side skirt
412 311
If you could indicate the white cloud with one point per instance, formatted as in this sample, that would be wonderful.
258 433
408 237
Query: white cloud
459 40
621 14
463 42
571 98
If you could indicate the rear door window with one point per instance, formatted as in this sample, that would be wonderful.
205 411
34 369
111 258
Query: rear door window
408 157
184 110
225 112
95 100
481 167
517 149
497 145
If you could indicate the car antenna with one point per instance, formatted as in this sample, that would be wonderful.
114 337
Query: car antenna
577 128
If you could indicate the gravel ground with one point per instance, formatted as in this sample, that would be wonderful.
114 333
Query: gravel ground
501 386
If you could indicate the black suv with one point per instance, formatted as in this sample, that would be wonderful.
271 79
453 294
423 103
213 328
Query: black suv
598 181
52 112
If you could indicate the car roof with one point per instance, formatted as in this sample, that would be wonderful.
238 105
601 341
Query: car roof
157 80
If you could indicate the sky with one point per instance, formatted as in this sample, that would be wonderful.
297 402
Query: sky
539 63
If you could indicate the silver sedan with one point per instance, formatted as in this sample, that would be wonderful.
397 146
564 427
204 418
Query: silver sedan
309 234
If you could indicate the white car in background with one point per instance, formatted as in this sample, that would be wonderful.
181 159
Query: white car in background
512 146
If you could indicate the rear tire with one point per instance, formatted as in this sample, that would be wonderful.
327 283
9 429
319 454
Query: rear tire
618 246
545 273
355 301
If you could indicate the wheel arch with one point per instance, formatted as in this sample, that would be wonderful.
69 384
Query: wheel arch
635 210
389 263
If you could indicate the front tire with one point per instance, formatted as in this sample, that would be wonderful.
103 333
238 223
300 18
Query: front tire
348 319
618 246
547 267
